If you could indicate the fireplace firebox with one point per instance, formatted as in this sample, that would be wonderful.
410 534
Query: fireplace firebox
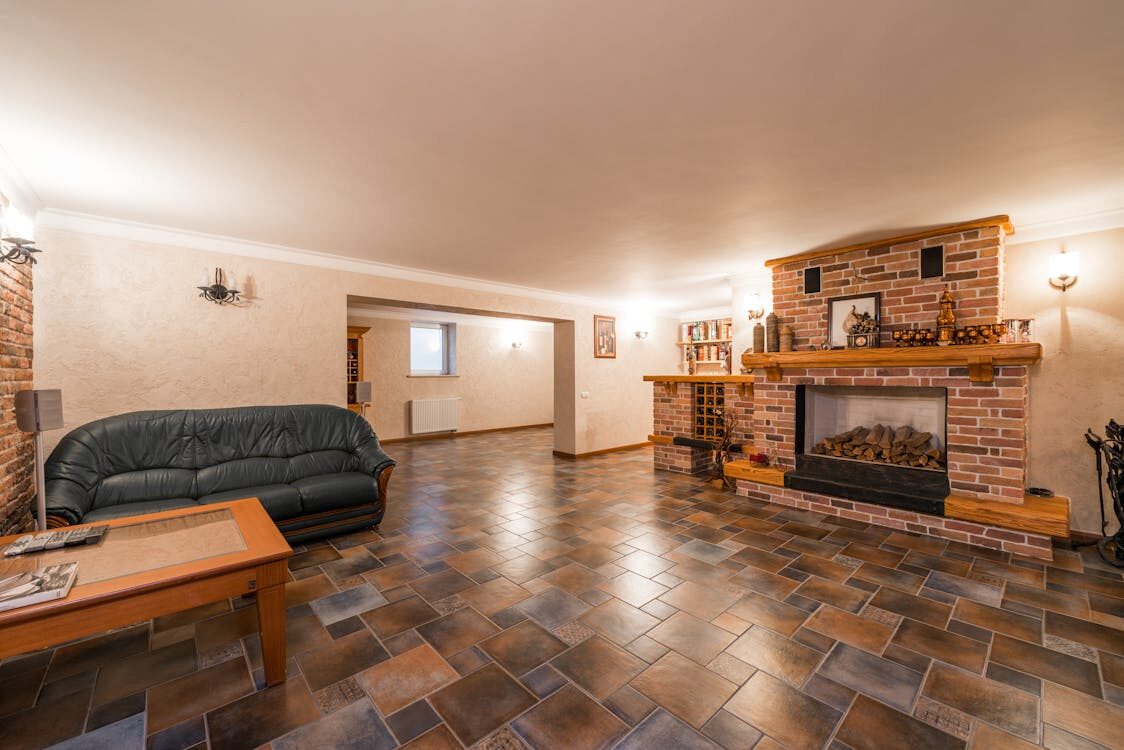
874 444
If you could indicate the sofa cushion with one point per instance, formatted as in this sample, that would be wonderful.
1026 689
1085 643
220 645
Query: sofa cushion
340 490
255 471
279 500
137 509
144 484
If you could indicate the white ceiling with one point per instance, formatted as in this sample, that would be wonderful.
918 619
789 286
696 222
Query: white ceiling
633 148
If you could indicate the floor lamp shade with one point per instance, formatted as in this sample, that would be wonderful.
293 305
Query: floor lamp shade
37 411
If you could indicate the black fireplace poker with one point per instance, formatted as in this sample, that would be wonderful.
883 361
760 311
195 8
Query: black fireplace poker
1109 451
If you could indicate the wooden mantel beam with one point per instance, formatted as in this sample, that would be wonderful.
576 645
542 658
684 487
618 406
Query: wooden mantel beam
1001 221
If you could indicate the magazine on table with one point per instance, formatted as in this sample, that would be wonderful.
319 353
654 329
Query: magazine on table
39 585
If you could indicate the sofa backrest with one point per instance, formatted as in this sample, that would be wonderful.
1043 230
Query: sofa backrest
190 453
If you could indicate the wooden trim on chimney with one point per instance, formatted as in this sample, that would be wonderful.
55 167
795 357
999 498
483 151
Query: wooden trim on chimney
1002 221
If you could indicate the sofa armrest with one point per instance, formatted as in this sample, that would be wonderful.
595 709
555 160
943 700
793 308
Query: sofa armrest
372 459
66 500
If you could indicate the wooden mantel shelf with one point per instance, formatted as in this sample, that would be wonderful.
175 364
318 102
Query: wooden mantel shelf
698 378
745 382
981 360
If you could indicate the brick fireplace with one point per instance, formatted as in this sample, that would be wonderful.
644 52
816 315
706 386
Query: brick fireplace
975 490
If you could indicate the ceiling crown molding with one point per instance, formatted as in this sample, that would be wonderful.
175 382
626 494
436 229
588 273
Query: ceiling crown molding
1047 230
71 221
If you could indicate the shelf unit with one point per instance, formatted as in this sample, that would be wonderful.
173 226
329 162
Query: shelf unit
708 343
354 364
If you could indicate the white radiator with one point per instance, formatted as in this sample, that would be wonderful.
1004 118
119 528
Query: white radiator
434 415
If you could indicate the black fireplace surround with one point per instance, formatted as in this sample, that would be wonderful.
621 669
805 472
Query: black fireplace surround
908 488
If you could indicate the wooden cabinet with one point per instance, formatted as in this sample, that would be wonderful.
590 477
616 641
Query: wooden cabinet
706 345
354 364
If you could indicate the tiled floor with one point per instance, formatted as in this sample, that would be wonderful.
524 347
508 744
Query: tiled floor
514 599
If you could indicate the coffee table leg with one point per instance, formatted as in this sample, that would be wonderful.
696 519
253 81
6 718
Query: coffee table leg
271 621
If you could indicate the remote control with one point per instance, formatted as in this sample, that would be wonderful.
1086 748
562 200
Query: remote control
55 540
76 537
18 547
95 534
37 544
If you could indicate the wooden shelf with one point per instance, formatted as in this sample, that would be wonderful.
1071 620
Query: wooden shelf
746 470
706 341
715 378
1036 515
1002 221
981 360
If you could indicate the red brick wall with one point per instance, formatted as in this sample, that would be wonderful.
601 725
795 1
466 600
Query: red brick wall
973 273
17 450
673 416
986 423
966 532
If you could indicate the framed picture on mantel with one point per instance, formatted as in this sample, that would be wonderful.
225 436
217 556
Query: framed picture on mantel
839 308
604 337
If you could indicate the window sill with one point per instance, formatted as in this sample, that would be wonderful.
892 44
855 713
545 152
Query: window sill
412 375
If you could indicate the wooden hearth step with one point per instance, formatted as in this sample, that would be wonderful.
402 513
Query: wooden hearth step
1036 515
746 470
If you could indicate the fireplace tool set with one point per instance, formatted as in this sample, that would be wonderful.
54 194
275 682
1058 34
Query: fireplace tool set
1110 451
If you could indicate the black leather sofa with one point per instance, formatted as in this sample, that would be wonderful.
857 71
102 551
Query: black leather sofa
317 469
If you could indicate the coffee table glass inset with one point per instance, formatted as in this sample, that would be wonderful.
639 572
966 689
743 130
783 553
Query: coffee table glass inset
147 566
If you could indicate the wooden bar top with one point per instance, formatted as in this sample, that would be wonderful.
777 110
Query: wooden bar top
719 378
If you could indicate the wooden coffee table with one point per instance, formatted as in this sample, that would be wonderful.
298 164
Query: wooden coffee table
156 564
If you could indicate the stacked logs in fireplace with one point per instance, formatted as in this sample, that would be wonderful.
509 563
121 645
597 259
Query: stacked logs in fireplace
902 446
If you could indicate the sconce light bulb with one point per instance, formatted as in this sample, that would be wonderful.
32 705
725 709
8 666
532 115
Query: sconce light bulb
1064 267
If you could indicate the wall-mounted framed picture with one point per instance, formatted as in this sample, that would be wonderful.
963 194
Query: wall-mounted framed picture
604 337
838 310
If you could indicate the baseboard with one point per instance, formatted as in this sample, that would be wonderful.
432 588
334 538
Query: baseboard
617 449
465 433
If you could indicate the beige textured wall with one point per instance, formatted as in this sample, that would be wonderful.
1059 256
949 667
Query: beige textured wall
1080 382
119 327
499 386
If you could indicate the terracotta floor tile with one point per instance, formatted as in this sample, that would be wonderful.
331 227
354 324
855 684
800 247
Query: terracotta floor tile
356 725
476 705
762 610
1092 634
852 629
523 647
439 738
871 725
633 589
598 666
999 620
393 576
140 671
706 602
914 607
689 691
455 632
261 717
341 658
619 622
398 682
1004 706
835 594
1055 601
93 652
662 730
197 693
776 655
574 578
569 719
1082 714
553 607
872 675
440 585
941 644
694 638
783 712
1048 664
495 595
769 584
400 616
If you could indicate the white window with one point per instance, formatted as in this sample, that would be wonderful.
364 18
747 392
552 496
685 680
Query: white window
433 348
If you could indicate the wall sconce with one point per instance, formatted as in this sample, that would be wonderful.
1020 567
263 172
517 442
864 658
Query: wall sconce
1063 269
17 238
222 291
756 309
641 334
516 344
